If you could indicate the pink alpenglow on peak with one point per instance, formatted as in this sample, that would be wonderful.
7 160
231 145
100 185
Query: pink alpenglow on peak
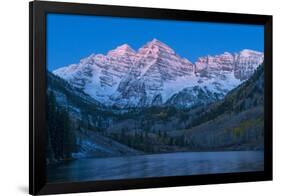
124 49
155 46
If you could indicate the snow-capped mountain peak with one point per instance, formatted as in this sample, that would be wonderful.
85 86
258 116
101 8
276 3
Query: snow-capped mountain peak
155 47
124 49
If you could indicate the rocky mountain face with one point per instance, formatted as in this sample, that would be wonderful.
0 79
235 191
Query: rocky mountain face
243 64
156 65
156 75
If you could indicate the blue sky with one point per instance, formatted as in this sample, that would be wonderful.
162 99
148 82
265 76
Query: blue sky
72 37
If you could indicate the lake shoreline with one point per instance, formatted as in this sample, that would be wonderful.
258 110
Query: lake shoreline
145 154
156 165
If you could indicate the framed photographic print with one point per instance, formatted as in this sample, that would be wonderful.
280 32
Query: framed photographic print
127 97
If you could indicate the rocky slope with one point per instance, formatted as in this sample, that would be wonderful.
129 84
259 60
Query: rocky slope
235 122
81 132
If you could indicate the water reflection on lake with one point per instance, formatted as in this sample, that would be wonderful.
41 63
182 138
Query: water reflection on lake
157 165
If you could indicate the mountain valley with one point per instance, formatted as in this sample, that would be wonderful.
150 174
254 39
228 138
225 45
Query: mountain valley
154 101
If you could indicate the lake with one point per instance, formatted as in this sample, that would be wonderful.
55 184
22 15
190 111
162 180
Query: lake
156 165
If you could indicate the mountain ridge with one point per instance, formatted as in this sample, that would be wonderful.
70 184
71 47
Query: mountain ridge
155 73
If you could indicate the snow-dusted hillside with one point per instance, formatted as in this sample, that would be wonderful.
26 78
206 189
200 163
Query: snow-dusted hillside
156 75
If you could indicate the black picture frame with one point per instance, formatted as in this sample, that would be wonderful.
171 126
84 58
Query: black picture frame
37 97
